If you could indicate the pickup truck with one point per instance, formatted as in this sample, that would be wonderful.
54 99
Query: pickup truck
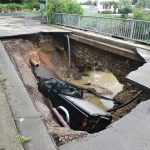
76 111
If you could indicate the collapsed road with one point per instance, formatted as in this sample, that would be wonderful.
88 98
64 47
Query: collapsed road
54 61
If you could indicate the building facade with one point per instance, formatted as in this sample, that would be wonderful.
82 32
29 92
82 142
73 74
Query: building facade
106 5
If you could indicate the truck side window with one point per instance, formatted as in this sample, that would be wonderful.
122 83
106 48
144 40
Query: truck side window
57 86
50 83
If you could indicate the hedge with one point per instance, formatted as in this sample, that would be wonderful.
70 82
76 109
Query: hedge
11 6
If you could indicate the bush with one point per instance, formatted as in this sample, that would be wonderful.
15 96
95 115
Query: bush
140 14
10 1
124 11
32 4
107 12
63 6
72 7
11 6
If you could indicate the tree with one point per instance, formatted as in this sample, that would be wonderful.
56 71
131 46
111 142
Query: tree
11 1
125 8
33 3
143 3
123 3
63 6
124 11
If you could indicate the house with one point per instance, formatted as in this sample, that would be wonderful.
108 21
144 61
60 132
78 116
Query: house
106 5
89 10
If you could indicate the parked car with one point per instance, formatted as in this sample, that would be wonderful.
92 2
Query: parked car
77 112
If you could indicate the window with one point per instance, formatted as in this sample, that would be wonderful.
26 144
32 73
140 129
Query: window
106 6
72 91
58 85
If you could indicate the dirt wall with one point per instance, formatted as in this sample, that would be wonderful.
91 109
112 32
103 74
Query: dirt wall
87 57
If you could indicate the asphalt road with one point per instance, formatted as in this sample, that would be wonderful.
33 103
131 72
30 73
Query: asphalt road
10 26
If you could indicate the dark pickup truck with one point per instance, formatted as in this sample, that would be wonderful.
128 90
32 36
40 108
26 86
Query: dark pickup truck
77 112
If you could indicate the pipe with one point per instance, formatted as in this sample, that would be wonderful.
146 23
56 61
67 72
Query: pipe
66 113
69 54
127 103
34 62
60 118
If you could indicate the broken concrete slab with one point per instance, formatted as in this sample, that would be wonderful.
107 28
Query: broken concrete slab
10 26
144 53
129 133
8 131
141 76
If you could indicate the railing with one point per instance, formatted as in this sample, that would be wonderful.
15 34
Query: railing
29 18
136 30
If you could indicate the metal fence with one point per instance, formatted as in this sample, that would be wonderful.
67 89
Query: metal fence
29 18
136 30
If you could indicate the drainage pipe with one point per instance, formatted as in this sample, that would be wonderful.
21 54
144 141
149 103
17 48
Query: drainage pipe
127 103
69 54
60 118
34 62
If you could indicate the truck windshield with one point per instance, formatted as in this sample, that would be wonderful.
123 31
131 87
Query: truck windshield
71 91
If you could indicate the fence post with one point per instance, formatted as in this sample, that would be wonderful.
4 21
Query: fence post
132 29
79 22
63 19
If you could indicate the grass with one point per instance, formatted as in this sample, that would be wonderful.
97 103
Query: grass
23 139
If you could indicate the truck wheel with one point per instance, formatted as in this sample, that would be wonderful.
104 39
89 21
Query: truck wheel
64 113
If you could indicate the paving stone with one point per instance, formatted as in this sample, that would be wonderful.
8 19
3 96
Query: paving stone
34 127
8 131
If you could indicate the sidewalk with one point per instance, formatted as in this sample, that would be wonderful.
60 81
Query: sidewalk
28 120
8 131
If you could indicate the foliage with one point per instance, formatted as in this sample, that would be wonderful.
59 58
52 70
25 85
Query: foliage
140 14
89 2
10 1
143 3
11 6
106 12
124 3
124 8
33 3
71 7
23 139
2 78
124 11
63 6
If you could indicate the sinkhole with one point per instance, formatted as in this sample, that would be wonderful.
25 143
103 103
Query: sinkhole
86 82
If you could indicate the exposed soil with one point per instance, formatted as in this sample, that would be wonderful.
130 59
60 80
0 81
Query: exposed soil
43 49
86 57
